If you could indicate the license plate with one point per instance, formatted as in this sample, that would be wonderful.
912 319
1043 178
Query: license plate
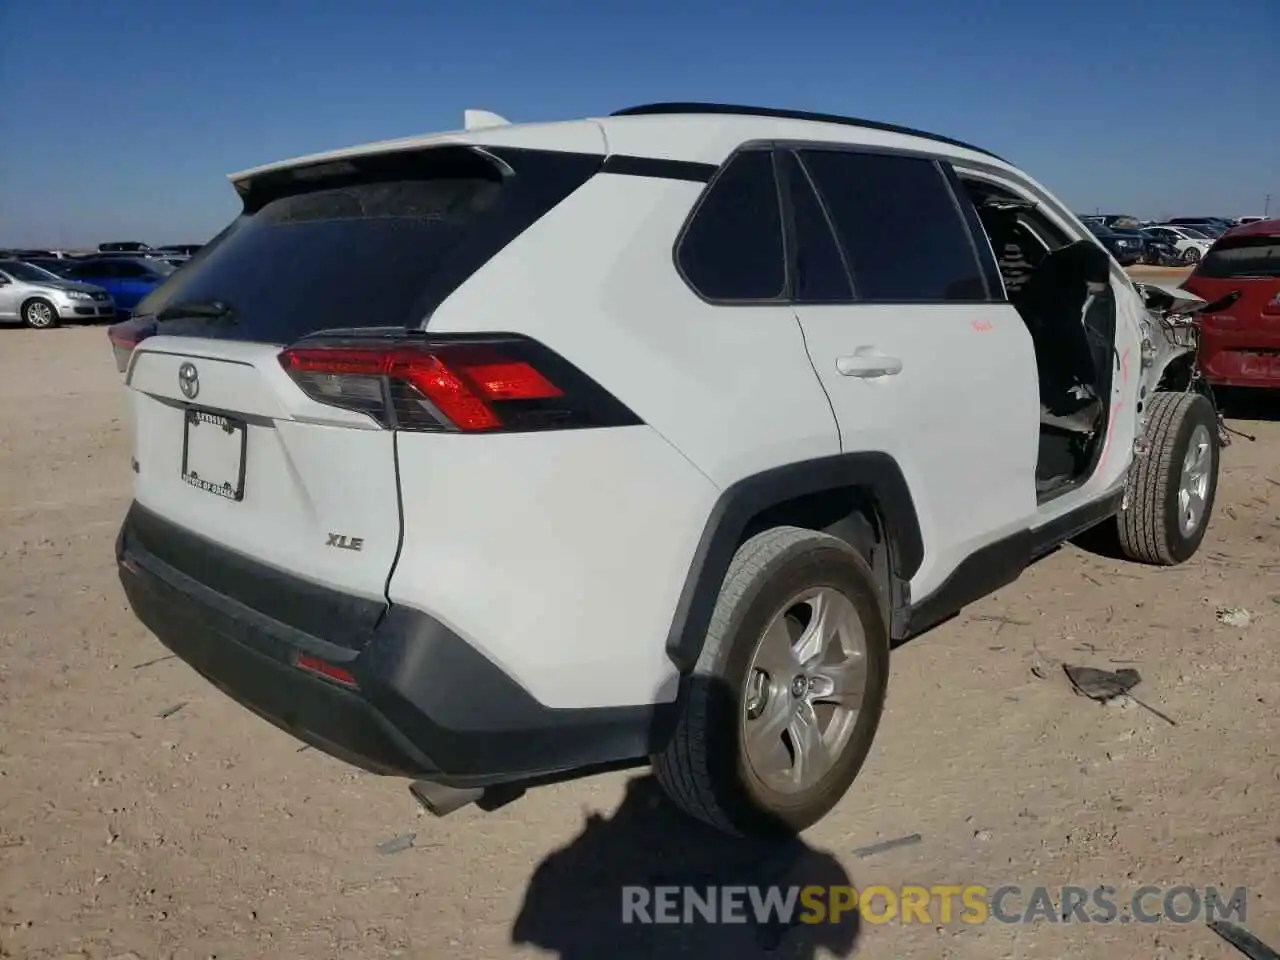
213 449
1260 365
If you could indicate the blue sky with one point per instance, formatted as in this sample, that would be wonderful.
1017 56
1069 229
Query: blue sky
122 120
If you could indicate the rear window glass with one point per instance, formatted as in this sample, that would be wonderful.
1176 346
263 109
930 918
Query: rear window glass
364 252
1241 258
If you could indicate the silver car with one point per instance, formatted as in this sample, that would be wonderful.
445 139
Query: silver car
38 298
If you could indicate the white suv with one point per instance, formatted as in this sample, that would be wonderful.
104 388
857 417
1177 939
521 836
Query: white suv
495 457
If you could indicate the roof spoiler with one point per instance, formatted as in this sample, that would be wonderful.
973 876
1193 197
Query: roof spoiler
479 119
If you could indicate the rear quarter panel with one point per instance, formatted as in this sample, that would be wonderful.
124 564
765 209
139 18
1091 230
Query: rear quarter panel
562 555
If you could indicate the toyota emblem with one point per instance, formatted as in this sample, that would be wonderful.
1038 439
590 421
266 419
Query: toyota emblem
188 380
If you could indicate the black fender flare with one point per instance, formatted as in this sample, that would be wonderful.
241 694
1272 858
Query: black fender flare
876 473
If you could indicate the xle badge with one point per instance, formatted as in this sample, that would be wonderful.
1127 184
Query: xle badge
343 542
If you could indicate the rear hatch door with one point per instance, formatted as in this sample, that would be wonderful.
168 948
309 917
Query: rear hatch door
1247 266
228 447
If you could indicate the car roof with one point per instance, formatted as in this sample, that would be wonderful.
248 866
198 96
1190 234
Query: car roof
1260 228
690 132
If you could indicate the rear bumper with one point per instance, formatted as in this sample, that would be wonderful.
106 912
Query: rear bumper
1240 360
426 704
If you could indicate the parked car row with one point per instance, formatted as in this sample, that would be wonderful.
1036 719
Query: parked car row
1174 242
43 291
40 299
173 253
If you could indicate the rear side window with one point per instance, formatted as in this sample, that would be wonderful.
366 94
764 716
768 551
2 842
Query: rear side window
374 242
133 271
732 248
902 231
1240 258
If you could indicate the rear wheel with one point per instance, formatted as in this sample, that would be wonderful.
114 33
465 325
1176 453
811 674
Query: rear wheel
39 314
1172 487
783 705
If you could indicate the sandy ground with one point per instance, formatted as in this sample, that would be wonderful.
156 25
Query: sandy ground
144 815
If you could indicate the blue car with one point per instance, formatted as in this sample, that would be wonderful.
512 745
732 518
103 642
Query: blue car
127 279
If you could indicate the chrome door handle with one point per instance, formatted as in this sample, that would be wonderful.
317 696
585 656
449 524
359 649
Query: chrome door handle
866 366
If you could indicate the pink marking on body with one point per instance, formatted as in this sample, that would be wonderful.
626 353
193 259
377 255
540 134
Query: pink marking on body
1124 367
1111 428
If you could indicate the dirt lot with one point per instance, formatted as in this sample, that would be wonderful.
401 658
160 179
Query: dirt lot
144 815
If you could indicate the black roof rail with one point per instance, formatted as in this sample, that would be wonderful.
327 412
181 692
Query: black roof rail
731 109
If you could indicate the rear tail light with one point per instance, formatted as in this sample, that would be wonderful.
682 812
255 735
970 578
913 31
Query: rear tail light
462 384
126 335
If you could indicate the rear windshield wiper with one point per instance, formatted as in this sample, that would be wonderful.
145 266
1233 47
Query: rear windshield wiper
197 309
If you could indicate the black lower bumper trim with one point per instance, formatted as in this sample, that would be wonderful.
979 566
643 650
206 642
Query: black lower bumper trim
428 704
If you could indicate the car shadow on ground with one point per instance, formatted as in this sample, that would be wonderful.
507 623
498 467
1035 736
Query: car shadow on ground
1240 404
574 905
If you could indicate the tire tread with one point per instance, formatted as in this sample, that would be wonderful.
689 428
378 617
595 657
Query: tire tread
682 768
1141 526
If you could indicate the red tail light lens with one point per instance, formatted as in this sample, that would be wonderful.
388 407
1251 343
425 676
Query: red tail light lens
460 384
126 335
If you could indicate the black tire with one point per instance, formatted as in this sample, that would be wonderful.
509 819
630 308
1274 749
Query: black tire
1150 529
1191 255
703 769
39 314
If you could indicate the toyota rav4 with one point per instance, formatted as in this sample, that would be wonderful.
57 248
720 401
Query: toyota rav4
500 456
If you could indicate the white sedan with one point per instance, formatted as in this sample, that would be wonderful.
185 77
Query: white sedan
1191 243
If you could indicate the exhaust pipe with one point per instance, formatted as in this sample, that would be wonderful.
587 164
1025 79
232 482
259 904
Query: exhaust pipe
440 801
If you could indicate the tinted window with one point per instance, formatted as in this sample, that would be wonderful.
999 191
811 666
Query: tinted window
820 271
732 249
1237 258
375 241
133 271
95 270
901 229
27 272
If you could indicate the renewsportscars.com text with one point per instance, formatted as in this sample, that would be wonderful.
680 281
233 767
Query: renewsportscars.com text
941 903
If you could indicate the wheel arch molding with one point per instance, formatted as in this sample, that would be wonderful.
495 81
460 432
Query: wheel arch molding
825 493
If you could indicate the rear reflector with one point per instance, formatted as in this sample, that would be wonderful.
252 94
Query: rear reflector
324 668
458 384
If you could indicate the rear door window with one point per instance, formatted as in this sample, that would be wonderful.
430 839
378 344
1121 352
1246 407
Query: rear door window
1241 258
732 249
371 242
901 228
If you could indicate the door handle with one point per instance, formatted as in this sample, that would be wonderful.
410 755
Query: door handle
868 365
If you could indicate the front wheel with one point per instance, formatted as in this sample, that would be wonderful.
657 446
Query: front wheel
1173 485
1191 255
39 314
784 702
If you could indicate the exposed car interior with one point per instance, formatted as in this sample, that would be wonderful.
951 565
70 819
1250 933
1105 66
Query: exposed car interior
1062 291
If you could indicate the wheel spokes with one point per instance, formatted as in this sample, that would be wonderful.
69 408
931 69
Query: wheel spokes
812 757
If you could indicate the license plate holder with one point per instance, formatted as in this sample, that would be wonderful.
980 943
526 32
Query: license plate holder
213 453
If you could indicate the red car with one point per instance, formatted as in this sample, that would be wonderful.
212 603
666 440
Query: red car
1240 341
